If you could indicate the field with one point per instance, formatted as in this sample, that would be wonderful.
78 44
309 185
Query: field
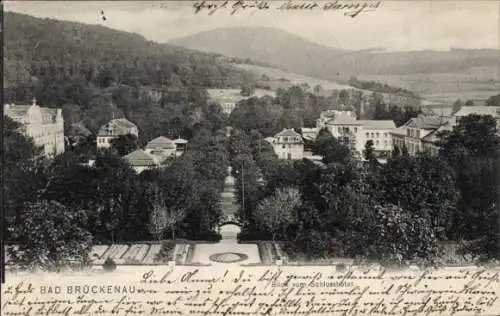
294 78
476 84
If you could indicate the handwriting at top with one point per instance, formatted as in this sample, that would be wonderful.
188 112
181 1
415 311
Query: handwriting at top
350 8
234 6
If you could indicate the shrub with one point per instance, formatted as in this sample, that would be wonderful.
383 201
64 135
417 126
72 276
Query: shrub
109 265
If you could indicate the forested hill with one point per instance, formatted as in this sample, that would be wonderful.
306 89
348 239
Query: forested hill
93 70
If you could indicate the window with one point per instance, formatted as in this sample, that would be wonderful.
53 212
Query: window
285 139
355 130
289 146
377 134
373 135
376 142
385 143
340 129
367 135
408 132
284 146
386 134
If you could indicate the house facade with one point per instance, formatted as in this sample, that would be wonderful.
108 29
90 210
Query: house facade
114 129
287 144
378 131
44 125
423 133
356 133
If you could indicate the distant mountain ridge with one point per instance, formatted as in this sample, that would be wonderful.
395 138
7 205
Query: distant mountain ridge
294 53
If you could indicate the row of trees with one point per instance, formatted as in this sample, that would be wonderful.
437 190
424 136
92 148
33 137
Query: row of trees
398 211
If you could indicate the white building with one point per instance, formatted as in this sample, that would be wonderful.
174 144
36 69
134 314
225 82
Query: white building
44 125
327 115
114 129
287 144
379 131
356 133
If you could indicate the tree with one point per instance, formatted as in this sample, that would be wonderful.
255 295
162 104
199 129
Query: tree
330 148
369 154
494 100
50 237
398 235
278 211
471 148
24 169
124 144
157 215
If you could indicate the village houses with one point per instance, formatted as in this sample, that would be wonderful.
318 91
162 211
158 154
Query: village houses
423 133
44 125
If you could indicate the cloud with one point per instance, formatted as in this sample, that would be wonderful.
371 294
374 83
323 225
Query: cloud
396 25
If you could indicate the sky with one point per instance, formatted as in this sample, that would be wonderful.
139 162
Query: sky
394 26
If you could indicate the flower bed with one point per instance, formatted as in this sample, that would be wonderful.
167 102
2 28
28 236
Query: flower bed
152 253
228 257
97 251
267 252
166 253
136 253
115 252
181 253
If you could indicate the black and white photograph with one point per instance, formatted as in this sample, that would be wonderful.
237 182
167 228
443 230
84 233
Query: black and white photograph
256 157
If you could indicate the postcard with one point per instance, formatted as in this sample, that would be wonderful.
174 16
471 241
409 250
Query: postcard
250 158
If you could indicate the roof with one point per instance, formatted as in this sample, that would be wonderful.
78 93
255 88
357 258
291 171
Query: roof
309 130
424 121
140 158
378 124
116 127
180 141
269 139
14 110
288 132
433 136
161 142
399 131
479 110
442 111
343 118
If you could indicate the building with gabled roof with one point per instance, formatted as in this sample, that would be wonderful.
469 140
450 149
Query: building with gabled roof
161 147
139 160
44 125
287 144
114 129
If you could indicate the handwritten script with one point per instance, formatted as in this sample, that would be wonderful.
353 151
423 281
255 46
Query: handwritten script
254 291
350 8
